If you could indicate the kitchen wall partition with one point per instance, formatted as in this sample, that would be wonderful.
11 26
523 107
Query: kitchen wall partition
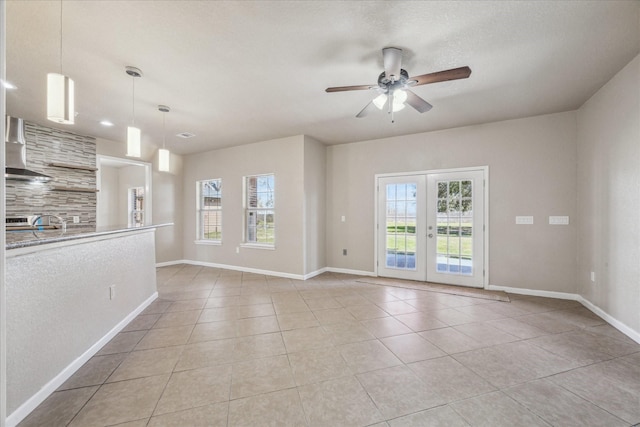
71 160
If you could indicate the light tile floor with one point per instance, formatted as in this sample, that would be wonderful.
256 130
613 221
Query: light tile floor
224 348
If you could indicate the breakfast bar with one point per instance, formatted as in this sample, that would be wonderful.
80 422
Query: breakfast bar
69 291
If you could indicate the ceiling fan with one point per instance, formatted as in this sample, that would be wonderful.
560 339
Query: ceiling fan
394 83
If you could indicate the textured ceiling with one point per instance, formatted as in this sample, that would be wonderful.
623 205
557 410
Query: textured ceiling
240 72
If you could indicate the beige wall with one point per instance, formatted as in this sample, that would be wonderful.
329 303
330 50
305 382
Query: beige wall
532 169
609 197
314 205
168 207
166 191
283 157
108 204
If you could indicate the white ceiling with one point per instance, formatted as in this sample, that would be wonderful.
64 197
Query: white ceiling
239 72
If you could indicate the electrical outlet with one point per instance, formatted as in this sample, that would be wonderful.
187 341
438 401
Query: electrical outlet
593 276
76 219
112 292
237 249
343 218
344 252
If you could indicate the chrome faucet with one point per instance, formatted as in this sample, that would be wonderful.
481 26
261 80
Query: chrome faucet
45 220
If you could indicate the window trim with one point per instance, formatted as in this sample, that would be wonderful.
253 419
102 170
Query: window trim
246 209
199 230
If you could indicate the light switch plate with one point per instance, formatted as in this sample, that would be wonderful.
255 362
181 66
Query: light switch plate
524 220
559 220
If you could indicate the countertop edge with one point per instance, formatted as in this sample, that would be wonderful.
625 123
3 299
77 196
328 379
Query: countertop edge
79 236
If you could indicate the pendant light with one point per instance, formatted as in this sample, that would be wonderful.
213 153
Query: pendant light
60 92
133 133
163 154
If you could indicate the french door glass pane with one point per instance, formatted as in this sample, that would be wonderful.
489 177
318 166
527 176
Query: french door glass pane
401 226
455 227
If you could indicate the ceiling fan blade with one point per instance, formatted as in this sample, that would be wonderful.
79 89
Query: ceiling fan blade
392 58
345 88
366 110
418 103
442 76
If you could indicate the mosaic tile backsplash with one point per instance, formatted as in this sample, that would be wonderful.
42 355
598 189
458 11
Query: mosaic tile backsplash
44 146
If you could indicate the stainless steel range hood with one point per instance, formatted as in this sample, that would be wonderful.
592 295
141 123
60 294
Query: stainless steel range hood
16 153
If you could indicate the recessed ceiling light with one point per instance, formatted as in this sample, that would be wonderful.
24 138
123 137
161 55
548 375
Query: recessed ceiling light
8 85
106 123
185 135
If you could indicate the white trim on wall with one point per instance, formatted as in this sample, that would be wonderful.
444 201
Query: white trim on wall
3 299
631 333
32 403
269 272
236 268
148 172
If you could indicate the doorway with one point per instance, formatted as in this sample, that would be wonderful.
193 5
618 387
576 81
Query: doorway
431 226
116 202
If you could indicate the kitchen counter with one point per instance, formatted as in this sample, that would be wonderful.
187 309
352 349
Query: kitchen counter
29 238
68 294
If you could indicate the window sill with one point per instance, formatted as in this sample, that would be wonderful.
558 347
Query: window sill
258 246
208 242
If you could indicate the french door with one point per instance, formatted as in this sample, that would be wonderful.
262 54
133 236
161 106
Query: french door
431 227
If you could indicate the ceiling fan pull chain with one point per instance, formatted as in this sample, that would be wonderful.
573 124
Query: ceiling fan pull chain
391 95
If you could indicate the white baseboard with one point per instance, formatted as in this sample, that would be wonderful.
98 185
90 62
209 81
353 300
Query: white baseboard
169 263
354 272
32 403
534 292
315 273
630 332
268 272
244 269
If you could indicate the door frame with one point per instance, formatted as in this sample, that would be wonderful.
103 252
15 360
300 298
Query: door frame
485 171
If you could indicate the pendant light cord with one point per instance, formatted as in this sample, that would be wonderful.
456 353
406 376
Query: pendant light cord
133 100
61 36
164 132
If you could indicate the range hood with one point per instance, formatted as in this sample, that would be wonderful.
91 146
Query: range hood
16 153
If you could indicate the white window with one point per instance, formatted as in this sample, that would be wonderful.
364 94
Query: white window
135 207
209 196
260 210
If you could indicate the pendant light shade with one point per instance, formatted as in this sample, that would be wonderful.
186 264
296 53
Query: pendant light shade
60 92
163 160
133 141
164 156
133 133
60 99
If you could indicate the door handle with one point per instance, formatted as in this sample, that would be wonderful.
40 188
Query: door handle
430 235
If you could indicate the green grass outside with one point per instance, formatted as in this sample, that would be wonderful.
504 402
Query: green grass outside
213 235
265 235
406 243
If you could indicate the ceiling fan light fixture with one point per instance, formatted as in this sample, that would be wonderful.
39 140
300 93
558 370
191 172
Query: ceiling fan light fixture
380 101
399 98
